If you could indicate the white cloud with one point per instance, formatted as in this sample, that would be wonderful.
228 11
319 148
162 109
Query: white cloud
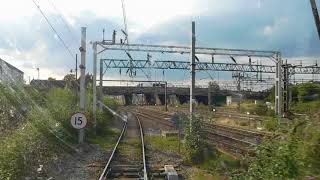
276 27
267 31
142 16
28 61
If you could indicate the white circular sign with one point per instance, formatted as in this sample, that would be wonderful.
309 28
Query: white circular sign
78 121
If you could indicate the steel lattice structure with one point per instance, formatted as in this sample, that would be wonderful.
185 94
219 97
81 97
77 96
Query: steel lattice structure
184 65
186 50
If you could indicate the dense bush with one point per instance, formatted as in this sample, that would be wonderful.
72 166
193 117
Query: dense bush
14 103
44 129
274 160
305 107
256 109
307 90
294 155
195 141
270 124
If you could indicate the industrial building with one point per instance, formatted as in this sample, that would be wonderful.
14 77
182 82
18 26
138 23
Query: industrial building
9 73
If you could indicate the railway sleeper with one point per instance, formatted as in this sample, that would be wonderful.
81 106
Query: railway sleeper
130 171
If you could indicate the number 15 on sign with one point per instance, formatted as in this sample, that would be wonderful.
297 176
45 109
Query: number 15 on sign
78 121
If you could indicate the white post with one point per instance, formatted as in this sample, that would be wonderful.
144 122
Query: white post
94 93
280 93
101 85
278 86
192 68
82 78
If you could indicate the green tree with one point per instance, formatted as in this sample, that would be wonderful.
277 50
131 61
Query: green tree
51 79
307 89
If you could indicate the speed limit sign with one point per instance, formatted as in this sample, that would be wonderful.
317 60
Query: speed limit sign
78 121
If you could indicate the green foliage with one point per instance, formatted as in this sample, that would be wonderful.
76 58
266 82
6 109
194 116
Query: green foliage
42 129
308 135
14 149
295 155
61 104
270 124
38 126
69 77
165 144
261 109
15 100
305 107
195 141
274 160
271 96
307 89
256 109
51 79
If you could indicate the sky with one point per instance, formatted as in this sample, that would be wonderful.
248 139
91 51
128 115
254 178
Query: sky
28 42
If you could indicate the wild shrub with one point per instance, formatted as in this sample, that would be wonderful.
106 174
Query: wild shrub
195 141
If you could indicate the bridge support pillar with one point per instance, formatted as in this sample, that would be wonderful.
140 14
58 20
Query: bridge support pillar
209 94
157 99
173 100
135 99
128 99
138 99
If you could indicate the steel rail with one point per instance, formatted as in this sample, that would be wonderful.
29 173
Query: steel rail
145 174
105 172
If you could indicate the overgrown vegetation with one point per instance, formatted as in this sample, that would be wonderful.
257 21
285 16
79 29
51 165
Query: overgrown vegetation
197 148
38 129
295 154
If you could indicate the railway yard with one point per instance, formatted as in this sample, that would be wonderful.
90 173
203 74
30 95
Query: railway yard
133 156
204 90
148 142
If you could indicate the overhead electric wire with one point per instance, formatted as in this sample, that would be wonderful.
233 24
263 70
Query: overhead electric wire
53 29
125 20
67 25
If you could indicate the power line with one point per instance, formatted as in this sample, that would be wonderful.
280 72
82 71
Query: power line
54 30
64 21
125 20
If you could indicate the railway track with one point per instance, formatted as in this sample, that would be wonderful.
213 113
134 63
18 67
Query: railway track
235 141
128 159
227 114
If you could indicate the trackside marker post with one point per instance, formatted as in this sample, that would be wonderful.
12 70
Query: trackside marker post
78 121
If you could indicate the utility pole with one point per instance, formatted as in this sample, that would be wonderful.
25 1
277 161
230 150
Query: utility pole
278 86
76 81
193 73
209 94
315 15
94 105
82 78
101 84
76 67
165 96
38 69
239 90
286 89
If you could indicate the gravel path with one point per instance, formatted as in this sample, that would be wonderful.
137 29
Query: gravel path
85 164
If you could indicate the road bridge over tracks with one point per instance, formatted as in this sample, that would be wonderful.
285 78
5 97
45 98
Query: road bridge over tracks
155 95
